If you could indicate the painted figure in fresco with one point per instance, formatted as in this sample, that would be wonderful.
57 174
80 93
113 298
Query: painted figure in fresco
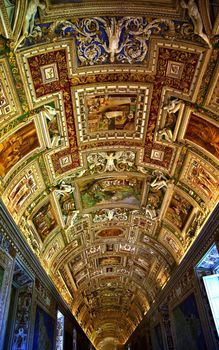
214 136
44 342
195 16
203 179
44 220
172 243
19 340
178 211
203 133
17 146
111 112
28 23
21 192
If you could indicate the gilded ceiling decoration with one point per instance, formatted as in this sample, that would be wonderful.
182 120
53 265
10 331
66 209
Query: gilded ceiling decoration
109 146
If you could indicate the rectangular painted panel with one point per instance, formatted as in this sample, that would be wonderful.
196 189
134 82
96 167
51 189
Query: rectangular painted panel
43 331
187 325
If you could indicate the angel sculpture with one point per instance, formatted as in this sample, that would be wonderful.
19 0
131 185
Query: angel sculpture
165 134
110 159
65 189
50 112
195 16
159 182
150 213
73 218
173 106
122 158
29 18
113 33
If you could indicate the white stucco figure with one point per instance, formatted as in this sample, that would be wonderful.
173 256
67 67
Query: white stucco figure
150 213
195 16
173 105
113 32
159 181
28 23
113 161
110 158
50 112
165 134
73 218
65 189
142 169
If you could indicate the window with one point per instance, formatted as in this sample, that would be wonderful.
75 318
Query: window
60 331
212 288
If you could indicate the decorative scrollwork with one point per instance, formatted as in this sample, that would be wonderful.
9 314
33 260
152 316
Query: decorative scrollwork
111 161
111 214
112 40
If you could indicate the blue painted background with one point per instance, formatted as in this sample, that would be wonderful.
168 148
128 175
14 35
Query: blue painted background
187 325
43 331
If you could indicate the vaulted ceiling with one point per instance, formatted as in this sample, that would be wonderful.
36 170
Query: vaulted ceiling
109 145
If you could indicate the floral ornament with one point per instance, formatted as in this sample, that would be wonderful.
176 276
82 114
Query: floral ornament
111 161
112 40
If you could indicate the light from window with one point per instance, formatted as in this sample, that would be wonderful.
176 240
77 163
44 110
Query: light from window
211 283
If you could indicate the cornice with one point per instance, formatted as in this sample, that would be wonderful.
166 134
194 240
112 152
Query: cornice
99 8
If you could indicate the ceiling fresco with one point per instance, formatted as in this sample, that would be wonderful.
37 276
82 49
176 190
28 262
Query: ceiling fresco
109 146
